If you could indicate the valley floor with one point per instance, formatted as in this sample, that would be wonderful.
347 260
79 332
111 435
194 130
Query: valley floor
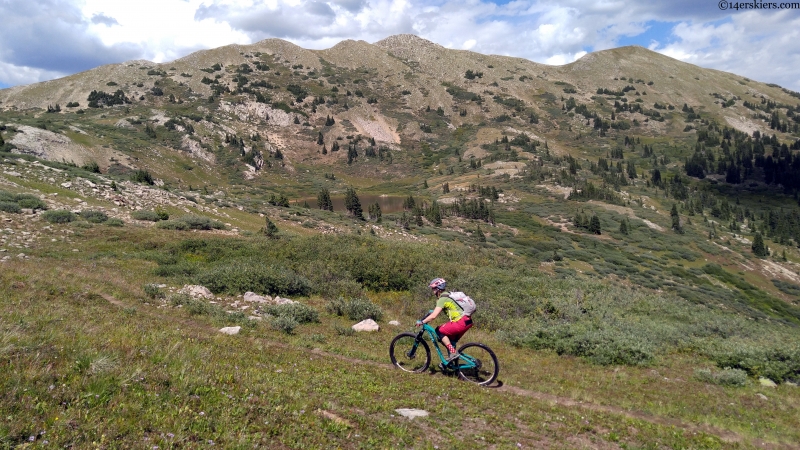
89 361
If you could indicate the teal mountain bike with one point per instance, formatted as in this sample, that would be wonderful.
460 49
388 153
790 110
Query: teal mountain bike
410 352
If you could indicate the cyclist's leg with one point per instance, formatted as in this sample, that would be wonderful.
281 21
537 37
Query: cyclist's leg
443 335
451 332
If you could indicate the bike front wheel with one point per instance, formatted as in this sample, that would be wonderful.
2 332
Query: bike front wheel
477 364
409 353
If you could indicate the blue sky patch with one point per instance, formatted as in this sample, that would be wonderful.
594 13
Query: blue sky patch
656 31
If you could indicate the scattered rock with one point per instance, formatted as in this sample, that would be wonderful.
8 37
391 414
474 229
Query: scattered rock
230 330
394 323
196 291
66 185
255 318
411 413
766 382
367 325
13 174
789 383
252 297
762 396
282 301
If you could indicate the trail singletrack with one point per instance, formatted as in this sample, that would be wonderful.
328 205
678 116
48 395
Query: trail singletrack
727 436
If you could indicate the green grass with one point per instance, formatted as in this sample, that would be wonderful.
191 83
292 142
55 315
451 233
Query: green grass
135 376
132 375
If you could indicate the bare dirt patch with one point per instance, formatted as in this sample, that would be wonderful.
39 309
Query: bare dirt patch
376 127
742 124
775 270
624 210
556 189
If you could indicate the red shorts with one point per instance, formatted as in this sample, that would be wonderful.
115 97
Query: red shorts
454 330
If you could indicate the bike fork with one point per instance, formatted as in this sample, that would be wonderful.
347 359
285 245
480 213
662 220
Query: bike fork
413 350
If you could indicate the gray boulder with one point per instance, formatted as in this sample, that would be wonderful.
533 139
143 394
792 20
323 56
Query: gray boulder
230 330
766 382
366 325
282 301
411 413
252 297
196 291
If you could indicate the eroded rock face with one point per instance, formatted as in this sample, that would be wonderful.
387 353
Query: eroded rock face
48 145
366 325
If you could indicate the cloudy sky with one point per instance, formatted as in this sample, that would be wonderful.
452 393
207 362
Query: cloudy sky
46 39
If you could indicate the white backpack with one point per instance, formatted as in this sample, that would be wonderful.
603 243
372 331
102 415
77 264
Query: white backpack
463 300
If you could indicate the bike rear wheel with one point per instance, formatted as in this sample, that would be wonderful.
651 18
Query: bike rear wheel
410 354
477 364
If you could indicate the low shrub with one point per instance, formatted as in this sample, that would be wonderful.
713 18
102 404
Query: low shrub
28 201
296 311
142 176
10 207
243 275
355 309
191 223
94 216
343 331
114 222
725 377
172 225
59 216
152 291
779 361
283 323
201 223
14 203
144 214
195 306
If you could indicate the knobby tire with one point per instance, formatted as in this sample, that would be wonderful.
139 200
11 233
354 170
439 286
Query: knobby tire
400 347
489 368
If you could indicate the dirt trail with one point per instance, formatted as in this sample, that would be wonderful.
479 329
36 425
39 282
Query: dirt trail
726 435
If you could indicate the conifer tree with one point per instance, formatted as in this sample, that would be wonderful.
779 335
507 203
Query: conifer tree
479 236
320 139
375 212
594 225
353 204
758 247
434 215
623 226
270 229
324 200
676 220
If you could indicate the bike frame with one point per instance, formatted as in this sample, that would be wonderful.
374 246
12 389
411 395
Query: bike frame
465 361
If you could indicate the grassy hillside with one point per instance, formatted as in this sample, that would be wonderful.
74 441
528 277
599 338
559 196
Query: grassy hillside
628 223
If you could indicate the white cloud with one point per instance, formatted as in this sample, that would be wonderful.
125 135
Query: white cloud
763 45
12 75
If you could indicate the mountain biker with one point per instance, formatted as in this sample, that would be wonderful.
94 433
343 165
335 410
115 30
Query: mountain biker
450 332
